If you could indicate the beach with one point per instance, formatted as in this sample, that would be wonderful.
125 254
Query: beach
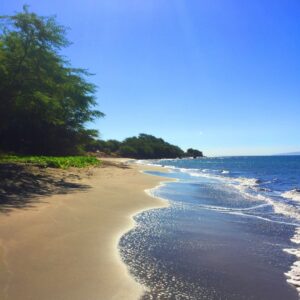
65 246
140 231
149 150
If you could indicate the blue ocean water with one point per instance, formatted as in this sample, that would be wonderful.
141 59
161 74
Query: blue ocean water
232 230
272 181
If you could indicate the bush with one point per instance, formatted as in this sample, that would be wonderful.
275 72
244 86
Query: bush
63 162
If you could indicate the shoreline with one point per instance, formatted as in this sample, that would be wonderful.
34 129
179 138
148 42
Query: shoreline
66 246
197 266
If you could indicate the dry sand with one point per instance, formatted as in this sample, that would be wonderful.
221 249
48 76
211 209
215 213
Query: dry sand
64 247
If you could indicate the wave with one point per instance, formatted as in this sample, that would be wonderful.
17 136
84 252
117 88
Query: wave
292 194
293 275
146 163
221 208
248 213
285 204
215 174
250 182
225 172
248 188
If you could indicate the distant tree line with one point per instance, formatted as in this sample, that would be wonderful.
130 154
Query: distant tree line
144 146
44 101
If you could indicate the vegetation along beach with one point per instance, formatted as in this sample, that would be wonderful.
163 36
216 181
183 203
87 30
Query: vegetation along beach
149 150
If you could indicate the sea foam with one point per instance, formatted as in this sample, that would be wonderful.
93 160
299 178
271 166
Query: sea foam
268 190
249 188
293 275
292 194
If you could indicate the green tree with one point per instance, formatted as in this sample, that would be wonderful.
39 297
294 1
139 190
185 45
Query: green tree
193 153
112 145
44 102
128 151
148 146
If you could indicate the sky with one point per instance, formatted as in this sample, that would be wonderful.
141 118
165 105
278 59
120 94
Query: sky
220 76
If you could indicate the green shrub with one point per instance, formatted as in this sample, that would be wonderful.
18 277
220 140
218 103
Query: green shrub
61 162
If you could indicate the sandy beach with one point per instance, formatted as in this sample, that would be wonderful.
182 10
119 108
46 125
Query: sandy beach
65 246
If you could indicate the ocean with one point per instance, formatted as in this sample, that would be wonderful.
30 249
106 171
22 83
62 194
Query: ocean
232 230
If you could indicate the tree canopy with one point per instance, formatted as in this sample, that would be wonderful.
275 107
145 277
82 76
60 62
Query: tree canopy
149 146
44 101
144 146
193 153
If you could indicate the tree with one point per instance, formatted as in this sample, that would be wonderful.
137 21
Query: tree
112 145
193 153
144 146
128 151
149 146
44 102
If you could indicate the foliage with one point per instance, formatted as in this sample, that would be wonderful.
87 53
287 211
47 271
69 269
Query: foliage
143 146
193 153
148 146
112 145
127 151
44 102
53 161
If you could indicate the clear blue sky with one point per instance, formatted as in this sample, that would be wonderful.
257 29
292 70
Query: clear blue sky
221 76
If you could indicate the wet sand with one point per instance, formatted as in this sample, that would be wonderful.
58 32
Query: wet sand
187 252
65 246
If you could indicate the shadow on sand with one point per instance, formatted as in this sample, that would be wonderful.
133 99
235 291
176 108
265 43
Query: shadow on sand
21 185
